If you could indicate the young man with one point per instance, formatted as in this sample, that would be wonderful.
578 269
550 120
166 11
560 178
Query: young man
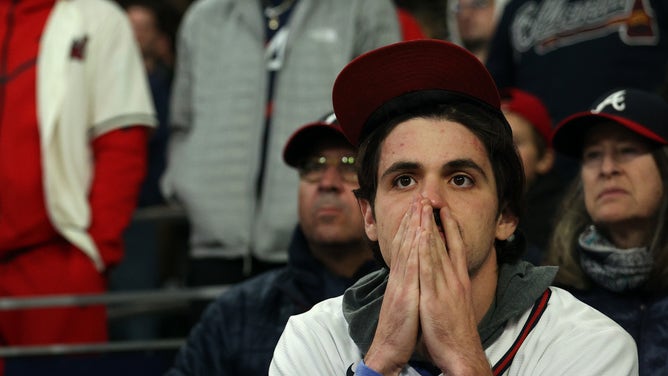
441 188
328 252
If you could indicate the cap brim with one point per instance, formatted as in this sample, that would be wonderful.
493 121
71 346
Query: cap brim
568 136
375 78
305 139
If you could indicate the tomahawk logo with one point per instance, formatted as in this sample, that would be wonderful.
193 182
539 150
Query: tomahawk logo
616 100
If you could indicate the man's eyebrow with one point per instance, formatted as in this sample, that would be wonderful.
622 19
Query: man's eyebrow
456 164
464 164
400 166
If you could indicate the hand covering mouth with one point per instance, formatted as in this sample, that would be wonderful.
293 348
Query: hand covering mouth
437 218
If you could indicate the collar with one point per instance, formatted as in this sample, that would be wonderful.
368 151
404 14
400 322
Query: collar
307 281
518 287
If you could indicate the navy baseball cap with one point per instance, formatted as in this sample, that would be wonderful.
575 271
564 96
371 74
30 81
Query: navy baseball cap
302 142
416 71
643 113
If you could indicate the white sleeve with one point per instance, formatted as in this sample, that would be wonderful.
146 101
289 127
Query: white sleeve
118 83
572 338
611 352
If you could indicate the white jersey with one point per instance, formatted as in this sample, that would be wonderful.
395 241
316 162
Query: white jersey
84 49
565 337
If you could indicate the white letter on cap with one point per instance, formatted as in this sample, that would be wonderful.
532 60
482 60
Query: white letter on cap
616 100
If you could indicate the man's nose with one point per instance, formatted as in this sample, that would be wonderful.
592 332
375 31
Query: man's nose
331 178
432 190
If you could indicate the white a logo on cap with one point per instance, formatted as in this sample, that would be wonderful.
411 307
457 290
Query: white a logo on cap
616 100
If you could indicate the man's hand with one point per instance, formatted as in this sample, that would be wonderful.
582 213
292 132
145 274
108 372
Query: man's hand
397 331
447 315
428 289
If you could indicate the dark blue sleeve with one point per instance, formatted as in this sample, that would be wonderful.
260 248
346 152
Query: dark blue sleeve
363 370
203 353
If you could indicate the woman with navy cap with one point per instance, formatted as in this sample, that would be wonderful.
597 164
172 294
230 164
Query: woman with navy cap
611 236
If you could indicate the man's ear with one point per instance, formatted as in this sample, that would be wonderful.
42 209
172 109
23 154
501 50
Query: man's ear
369 219
506 224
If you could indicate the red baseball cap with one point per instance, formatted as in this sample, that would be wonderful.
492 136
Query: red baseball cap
304 139
426 68
530 108
643 113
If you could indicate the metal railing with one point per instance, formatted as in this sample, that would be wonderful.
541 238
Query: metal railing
91 348
147 301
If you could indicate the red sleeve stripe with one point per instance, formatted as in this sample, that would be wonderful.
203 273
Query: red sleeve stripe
539 308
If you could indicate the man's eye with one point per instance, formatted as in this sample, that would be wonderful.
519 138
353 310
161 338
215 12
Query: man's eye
462 181
313 166
404 181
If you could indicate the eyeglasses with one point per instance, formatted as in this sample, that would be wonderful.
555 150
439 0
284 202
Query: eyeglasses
313 169
458 5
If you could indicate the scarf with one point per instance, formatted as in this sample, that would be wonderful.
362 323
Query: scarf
518 287
618 270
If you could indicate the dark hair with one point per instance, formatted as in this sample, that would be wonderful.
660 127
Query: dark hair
573 218
489 126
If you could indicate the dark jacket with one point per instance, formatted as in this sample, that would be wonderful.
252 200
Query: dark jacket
238 331
644 317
